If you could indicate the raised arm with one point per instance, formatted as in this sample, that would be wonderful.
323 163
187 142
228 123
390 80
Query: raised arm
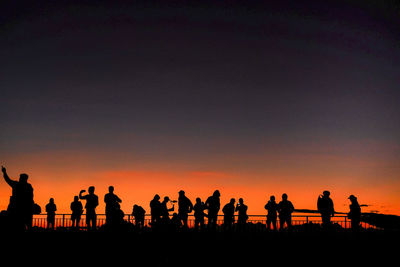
6 178
80 194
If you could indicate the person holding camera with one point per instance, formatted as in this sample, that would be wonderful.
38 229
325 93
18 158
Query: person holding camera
92 201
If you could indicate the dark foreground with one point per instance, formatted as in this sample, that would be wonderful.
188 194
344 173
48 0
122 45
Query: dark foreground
202 249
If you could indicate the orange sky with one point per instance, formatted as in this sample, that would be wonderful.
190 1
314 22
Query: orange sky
62 175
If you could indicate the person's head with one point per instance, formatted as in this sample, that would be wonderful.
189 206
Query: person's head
135 206
326 193
91 189
352 198
232 201
111 189
76 198
51 200
284 196
166 199
198 200
181 193
240 201
156 197
272 198
216 193
23 177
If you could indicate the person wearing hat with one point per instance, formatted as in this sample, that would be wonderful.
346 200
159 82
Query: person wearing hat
355 213
325 207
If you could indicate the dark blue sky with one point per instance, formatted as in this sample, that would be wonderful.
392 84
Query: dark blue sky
200 69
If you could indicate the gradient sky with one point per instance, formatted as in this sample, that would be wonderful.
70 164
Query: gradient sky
252 99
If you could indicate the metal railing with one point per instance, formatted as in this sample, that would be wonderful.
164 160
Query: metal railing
255 221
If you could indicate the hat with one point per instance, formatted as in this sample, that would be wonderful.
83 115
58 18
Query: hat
352 197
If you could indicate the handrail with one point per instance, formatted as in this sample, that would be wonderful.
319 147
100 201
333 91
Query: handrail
64 220
191 215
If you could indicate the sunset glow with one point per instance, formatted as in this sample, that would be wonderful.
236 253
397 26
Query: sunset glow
252 101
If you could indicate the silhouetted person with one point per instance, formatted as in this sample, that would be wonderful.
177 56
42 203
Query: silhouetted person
325 207
112 205
117 216
185 207
213 205
165 210
77 210
92 201
138 212
355 213
229 214
272 208
241 208
155 210
51 213
20 208
285 209
176 222
199 215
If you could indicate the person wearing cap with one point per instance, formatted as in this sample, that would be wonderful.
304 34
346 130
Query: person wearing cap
355 213
325 207
185 207
21 203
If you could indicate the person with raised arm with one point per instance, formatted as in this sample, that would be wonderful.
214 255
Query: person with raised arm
92 201
20 208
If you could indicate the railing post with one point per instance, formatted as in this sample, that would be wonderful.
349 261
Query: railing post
63 223
307 219
345 222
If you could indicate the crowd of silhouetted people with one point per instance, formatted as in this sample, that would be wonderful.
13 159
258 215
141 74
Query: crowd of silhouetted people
21 208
